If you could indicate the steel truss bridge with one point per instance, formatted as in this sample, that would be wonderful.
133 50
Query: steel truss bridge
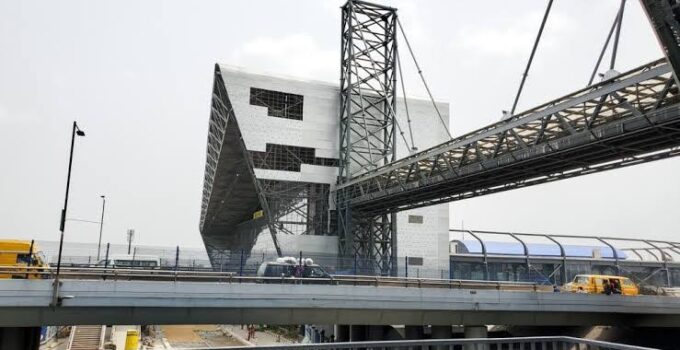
627 120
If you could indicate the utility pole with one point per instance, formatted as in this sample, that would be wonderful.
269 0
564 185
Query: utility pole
101 227
130 238
62 223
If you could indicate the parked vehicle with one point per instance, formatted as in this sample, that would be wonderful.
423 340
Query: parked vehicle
16 253
290 267
598 284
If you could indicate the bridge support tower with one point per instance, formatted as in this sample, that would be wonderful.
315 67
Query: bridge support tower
367 127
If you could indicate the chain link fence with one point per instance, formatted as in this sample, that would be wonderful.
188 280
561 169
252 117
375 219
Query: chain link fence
247 264
85 254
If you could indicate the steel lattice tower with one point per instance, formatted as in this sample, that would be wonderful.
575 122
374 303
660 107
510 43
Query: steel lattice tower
367 125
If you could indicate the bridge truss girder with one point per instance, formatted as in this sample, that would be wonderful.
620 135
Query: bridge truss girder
626 120
367 123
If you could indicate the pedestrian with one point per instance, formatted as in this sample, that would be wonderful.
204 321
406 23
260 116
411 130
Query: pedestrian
616 286
607 288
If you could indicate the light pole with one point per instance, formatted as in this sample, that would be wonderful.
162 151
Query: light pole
130 238
101 227
62 223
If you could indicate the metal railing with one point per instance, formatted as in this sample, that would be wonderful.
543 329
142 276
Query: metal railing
523 343
118 274
114 274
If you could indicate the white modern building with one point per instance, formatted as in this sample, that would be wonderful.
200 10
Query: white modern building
272 166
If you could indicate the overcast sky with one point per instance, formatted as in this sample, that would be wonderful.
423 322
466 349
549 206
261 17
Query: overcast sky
137 75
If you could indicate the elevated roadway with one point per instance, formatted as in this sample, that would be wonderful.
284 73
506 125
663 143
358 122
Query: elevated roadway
25 303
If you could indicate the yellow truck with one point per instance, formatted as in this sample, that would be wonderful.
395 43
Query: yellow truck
595 284
16 255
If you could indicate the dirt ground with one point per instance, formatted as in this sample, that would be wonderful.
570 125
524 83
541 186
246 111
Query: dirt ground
196 335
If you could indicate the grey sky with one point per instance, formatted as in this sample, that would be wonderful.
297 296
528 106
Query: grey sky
137 77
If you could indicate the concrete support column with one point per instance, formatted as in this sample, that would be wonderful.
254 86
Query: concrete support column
357 333
27 338
375 332
413 332
476 332
341 333
441 332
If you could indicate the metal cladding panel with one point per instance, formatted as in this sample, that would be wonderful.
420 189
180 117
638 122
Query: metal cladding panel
428 239
317 129
229 197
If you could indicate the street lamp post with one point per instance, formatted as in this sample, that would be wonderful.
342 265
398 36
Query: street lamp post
62 223
101 227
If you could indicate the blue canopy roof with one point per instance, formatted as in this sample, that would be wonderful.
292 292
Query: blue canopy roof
471 246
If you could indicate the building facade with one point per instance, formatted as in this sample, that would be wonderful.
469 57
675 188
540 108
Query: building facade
272 166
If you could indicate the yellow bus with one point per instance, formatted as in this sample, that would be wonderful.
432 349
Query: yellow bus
16 253
595 284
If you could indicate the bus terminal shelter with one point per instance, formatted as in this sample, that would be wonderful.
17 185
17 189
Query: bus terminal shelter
556 259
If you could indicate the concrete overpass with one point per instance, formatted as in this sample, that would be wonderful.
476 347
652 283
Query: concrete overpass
26 303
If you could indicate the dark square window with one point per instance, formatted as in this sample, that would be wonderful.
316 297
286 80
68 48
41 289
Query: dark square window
415 219
279 104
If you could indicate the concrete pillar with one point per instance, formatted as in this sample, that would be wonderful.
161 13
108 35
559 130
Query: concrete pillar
441 332
27 338
375 332
476 332
341 332
357 333
316 336
413 332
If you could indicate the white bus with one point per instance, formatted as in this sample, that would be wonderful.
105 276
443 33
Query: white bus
131 261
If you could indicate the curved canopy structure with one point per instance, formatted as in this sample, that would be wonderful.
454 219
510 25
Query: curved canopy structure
556 259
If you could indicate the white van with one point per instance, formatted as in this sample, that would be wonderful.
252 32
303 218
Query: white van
132 261
287 266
